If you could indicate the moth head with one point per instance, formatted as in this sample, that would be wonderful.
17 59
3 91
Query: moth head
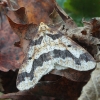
43 27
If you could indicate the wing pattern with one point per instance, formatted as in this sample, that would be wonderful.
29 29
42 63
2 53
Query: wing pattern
51 50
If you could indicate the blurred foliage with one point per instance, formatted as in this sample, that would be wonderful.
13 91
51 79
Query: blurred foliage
61 3
79 9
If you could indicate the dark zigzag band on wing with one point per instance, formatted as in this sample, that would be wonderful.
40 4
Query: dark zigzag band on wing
53 55
53 36
36 42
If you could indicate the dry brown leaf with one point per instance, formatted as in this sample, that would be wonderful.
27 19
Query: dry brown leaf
86 34
91 91
95 27
25 32
55 17
37 10
16 13
69 23
20 15
61 88
79 76
10 56
83 34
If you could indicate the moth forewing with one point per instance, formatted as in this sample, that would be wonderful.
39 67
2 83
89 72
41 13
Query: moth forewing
84 61
51 50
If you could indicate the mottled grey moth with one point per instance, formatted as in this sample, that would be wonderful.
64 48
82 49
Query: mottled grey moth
51 50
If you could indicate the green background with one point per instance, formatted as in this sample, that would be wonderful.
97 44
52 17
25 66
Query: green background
79 9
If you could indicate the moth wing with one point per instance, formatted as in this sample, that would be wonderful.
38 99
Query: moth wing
71 56
76 56
28 77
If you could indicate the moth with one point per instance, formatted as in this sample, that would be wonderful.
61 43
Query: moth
51 50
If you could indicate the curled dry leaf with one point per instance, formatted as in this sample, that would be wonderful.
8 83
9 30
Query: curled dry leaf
55 17
25 32
69 23
19 15
37 10
16 13
91 91
95 27
82 34
88 34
